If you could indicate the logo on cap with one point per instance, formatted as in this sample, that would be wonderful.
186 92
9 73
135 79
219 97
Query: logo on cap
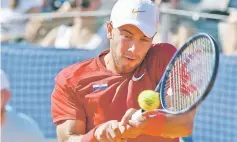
136 11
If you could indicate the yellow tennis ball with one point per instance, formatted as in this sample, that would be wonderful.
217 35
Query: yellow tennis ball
148 100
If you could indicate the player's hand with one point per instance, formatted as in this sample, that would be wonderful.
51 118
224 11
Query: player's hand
110 131
136 129
149 123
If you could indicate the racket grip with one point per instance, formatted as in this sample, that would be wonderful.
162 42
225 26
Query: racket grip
137 114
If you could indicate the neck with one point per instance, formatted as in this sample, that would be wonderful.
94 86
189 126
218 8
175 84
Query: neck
110 64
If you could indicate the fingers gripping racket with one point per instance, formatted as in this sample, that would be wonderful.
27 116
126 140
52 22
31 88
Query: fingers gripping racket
189 75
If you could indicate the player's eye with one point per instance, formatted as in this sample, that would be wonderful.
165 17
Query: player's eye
127 36
144 40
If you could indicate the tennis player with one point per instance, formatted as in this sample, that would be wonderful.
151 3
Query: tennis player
94 100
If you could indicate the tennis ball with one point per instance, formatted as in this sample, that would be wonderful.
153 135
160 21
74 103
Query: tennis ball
148 100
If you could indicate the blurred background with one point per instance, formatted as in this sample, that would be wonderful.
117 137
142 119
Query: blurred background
41 37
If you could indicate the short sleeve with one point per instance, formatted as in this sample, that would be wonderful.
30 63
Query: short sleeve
65 104
163 53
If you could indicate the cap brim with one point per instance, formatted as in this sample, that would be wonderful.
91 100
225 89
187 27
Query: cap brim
147 30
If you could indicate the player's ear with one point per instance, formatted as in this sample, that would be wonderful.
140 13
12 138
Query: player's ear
109 28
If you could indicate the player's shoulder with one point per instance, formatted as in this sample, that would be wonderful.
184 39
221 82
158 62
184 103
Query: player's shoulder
77 66
163 47
75 71
161 50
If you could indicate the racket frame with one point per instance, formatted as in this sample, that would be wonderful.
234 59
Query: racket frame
161 86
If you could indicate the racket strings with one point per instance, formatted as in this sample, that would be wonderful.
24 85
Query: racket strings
189 75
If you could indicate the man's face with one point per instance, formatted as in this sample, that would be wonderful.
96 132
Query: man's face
128 46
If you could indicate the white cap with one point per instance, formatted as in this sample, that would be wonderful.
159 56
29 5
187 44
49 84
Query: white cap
4 81
140 13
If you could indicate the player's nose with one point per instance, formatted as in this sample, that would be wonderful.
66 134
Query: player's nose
134 46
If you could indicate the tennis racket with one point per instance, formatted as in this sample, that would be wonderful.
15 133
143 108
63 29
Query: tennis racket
189 76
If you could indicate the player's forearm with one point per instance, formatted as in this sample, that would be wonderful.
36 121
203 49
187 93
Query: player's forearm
69 138
78 137
179 125
74 131
176 131
74 138
171 126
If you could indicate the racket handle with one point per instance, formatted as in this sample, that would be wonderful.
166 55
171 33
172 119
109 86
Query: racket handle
137 114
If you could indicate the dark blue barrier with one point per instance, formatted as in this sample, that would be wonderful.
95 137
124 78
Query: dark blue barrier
233 4
216 119
31 71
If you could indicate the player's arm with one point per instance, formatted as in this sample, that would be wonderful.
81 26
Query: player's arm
66 108
165 125
173 126
70 117
74 130
70 130
180 125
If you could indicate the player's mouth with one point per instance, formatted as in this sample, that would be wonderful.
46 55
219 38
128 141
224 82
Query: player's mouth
129 58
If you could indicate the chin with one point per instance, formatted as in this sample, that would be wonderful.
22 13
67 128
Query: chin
127 68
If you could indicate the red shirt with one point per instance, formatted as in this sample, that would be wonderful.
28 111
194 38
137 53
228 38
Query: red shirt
87 91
